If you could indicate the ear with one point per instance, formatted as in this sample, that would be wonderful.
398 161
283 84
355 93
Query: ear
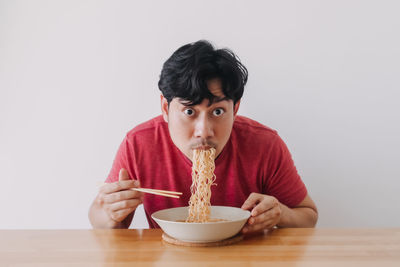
164 108
236 108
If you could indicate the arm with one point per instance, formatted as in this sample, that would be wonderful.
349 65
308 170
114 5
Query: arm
267 212
303 215
281 179
115 203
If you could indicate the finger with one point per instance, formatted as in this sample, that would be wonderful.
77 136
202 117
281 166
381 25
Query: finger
121 195
136 184
252 201
123 175
272 214
120 215
267 224
252 222
118 186
258 219
257 227
125 204
266 204
267 220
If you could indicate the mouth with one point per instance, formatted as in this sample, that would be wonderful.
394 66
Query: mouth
202 147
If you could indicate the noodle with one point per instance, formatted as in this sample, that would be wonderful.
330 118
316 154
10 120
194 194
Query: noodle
202 178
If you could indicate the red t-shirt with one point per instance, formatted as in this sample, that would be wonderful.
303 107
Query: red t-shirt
255 159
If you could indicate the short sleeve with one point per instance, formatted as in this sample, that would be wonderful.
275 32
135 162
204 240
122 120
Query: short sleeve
283 180
123 159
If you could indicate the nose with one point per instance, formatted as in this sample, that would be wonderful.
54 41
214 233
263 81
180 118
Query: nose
203 128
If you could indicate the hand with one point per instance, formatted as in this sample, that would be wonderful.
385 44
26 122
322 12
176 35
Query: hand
265 212
117 200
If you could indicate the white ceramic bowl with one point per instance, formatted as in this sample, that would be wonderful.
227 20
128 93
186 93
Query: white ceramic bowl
201 232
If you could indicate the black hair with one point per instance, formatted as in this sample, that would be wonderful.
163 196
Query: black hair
186 72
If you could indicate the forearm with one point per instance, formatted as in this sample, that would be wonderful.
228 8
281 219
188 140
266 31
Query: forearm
100 219
297 217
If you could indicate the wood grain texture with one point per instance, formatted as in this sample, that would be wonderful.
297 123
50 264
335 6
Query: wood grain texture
280 247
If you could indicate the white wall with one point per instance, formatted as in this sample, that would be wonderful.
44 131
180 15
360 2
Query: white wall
75 76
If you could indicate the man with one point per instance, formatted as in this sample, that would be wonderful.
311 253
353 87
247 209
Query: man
201 91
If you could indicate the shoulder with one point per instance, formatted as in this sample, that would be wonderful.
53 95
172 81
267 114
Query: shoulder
251 128
254 138
147 129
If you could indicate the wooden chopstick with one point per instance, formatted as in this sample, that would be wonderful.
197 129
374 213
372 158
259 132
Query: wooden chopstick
164 193
155 192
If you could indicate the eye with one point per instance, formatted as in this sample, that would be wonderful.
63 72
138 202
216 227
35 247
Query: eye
218 112
189 111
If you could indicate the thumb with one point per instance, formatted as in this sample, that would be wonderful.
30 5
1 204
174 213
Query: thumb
251 201
123 175
248 205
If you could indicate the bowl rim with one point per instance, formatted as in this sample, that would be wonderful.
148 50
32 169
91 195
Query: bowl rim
201 223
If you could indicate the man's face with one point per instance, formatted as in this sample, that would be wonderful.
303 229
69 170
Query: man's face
200 126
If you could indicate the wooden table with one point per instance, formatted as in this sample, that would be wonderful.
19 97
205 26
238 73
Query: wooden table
280 247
